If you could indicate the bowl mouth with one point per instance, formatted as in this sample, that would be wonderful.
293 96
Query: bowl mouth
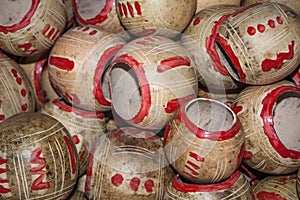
27 9
92 15
269 103
142 91
218 133
183 186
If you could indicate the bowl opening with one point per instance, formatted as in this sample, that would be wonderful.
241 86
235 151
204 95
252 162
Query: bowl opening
90 9
286 115
228 63
125 90
13 12
210 115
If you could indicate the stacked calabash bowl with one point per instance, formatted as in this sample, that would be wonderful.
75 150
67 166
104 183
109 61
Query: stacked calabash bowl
149 99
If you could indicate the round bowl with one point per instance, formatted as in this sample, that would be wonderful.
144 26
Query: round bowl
159 17
38 158
199 39
84 127
127 164
31 27
261 41
78 64
276 187
272 138
235 187
205 143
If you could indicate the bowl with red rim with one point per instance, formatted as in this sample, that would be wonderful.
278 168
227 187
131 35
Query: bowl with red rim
261 41
16 91
127 163
199 39
149 78
31 27
34 71
235 187
78 65
38 156
276 187
101 13
205 143
272 137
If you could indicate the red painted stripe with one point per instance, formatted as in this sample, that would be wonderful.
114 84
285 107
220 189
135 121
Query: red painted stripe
166 134
186 187
138 8
46 28
38 69
25 21
211 48
120 9
55 35
71 154
62 63
145 32
79 112
189 174
278 63
193 171
125 10
2 161
89 171
98 19
173 62
105 57
130 8
50 33
193 165
196 157
245 9
266 115
234 59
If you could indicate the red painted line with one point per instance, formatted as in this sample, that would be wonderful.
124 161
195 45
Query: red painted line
62 63
173 62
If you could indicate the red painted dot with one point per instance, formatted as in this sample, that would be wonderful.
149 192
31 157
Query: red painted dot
251 30
24 107
134 184
271 23
23 92
2 117
149 184
248 155
14 72
261 28
117 180
19 80
196 21
279 20
85 29
76 139
93 32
